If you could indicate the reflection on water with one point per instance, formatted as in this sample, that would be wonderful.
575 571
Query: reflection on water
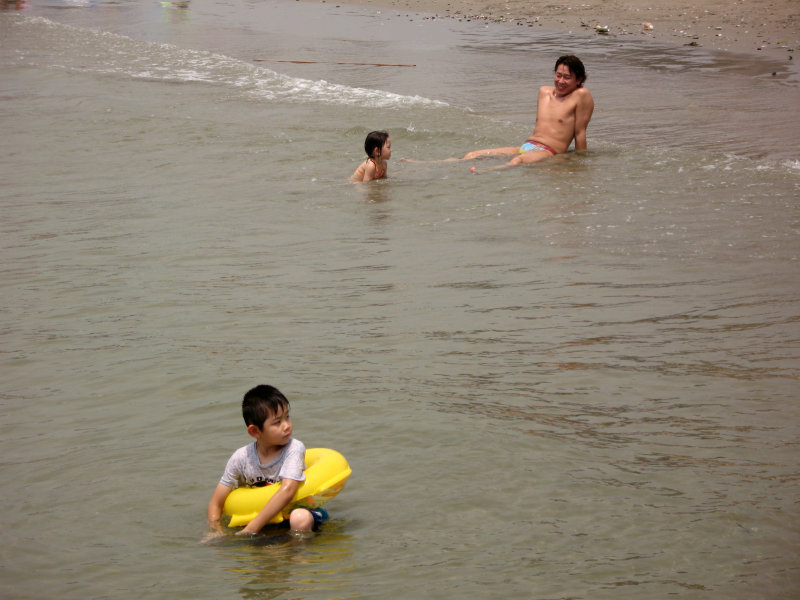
273 564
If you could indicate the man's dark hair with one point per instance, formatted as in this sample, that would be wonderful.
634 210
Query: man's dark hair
575 66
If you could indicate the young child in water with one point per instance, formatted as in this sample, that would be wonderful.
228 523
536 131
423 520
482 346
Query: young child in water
275 456
378 147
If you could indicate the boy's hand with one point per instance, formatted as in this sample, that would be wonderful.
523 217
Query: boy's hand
211 536
245 532
279 500
248 529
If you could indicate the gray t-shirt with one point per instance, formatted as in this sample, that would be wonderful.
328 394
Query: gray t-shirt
244 468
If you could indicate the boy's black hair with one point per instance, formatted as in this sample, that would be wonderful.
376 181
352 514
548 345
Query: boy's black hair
375 141
575 66
262 402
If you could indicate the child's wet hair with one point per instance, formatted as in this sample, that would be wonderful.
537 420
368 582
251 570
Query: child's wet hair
375 141
262 402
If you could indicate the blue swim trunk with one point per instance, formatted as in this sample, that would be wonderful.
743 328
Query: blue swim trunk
320 516
535 146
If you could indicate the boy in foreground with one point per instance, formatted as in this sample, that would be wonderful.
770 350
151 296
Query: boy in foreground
274 457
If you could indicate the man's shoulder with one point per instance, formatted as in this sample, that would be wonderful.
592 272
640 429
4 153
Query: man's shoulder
584 100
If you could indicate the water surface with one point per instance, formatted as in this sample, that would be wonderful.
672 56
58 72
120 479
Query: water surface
575 380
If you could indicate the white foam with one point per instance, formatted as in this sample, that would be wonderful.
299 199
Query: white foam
111 53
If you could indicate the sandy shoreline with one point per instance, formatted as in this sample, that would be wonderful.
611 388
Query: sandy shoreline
770 28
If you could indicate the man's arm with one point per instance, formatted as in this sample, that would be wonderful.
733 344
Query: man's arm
583 114
279 500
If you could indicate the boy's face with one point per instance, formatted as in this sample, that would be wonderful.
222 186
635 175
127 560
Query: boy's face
275 431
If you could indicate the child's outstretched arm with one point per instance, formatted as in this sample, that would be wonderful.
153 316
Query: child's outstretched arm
276 504
436 160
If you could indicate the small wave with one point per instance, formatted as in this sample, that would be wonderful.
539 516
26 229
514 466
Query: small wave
85 49
275 86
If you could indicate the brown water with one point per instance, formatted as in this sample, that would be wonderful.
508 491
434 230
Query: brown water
577 380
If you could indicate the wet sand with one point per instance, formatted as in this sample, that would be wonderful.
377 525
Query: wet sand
770 28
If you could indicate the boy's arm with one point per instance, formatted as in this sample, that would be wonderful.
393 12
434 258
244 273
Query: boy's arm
215 506
583 113
276 504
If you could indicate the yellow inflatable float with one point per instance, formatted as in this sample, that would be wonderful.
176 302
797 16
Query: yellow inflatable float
326 473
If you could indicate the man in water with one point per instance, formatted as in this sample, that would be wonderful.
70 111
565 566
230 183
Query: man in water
562 115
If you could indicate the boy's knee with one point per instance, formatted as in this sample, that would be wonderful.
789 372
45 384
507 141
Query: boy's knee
301 519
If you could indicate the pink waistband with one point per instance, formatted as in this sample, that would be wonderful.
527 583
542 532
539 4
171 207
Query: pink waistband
541 145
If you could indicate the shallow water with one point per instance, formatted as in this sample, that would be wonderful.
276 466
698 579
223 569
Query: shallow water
575 380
